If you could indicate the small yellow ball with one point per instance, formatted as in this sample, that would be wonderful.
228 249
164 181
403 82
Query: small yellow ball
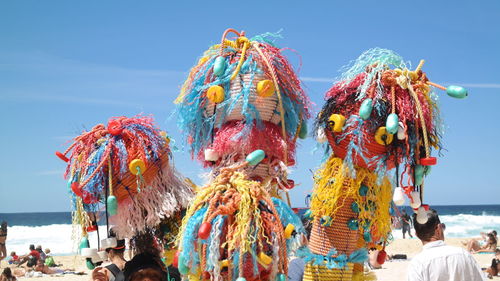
215 94
265 88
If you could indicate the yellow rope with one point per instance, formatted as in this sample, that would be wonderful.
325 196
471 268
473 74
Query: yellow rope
246 44
421 116
110 172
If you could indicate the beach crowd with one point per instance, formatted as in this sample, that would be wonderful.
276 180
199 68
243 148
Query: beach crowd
437 261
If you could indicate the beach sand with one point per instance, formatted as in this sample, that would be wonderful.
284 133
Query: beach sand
391 270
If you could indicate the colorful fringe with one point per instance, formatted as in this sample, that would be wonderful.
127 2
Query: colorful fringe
208 123
124 167
246 231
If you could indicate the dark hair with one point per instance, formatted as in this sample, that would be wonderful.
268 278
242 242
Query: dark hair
7 272
494 232
142 262
492 239
426 231
4 226
497 251
32 247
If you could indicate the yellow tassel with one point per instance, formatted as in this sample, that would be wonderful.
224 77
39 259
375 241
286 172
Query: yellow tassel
333 185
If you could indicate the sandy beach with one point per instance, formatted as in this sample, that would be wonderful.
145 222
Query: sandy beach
391 270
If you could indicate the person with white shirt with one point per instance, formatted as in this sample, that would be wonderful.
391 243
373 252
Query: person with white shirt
438 261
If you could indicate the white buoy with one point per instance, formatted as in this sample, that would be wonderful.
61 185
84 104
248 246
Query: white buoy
398 197
211 155
88 252
108 243
401 131
321 136
422 215
415 203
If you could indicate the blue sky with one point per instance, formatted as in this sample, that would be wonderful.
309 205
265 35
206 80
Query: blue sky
68 65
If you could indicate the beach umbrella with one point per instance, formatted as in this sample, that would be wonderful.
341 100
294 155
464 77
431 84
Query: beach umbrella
380 118
124 170
241 109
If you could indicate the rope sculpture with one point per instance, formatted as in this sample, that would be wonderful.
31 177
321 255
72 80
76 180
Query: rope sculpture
242 109
379 116
123 170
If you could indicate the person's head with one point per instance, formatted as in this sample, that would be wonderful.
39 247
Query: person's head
12 253
32 247
144 267
4 226
497 253
494 232
117 251
47 251
432 230
39 248
7 272
492 240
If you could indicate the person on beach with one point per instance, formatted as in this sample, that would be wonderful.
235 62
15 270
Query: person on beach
7 275
49 259
406 223
3 239
438 261
297 265
147 266
14 259
41 252
489 244
494 269
111 271
31 258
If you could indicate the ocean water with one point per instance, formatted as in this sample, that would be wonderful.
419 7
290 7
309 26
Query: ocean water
54 230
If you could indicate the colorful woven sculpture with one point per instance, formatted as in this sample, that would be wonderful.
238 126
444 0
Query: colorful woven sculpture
242 109
124 170
379 116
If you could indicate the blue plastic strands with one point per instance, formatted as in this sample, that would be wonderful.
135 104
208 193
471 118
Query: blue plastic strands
189 253
332 260
377 59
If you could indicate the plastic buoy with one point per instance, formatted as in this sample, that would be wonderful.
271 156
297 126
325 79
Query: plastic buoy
265 88
255 157
382 255
211 155
383 137
398 196
355 207
204 230
289 230
415 202
137 167
336 122
365 110
62 156
303 130
456 92
422 215
75 187
215 94
175 262
392 123
219 66
115 127
112 205
428 161
363 190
